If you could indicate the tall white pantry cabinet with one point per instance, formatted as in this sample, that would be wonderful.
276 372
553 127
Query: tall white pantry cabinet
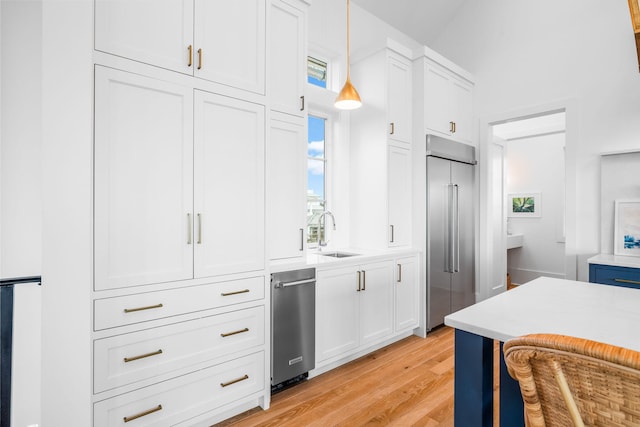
183 102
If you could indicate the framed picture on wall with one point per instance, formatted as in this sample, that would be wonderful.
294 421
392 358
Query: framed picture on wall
626 240
525 205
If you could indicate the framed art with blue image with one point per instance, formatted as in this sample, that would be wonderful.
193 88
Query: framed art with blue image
626 240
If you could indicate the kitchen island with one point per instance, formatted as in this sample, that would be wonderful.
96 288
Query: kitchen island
607 314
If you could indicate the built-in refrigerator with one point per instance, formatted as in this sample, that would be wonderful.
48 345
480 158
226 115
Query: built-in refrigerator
450 264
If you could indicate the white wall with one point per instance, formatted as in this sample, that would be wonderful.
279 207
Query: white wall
524 54
536 164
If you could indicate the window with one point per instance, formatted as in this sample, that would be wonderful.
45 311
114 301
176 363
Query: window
316 175
316 72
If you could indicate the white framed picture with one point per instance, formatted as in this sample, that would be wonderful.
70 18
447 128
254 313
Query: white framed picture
525 205
626 238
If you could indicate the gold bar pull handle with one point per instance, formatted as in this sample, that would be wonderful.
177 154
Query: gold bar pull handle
199 59
393 237
237 380
189 229
302 103
190 49
149 307
359 281
142 414
226 294
393 128
632 282
199 229
364 280
399 273
142 356
454 127
301 239
228 334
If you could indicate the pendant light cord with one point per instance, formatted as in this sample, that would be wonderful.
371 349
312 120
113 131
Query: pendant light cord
348 42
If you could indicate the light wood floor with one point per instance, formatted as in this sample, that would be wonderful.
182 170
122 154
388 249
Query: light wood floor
409 383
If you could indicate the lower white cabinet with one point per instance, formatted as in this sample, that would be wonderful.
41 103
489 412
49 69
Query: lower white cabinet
355 308
407 293
170 402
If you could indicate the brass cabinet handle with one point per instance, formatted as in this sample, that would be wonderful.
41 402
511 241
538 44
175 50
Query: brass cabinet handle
454 127
302 103
301 239
149 307
633 282
237 380
226 294
199 229
190 49
364 280
399 272
189 229
142 356
392 233
359 281
142 414
228 334
451 127
199 59
393 128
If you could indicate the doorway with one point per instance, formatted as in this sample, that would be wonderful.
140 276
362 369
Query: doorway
534 194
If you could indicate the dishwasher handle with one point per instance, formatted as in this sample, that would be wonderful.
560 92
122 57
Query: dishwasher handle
279 284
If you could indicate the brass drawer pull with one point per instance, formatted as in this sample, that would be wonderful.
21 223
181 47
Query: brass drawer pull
149 307
399 272
633 282
190 49
142 414
237 380
226 294
199 59
142 356
228 334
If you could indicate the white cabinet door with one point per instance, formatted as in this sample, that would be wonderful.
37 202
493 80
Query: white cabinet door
156 32
228 186
462 97
407 292
399 195
376 302
287 57
286 187
230 42
143 180
399 98
437 103
337 312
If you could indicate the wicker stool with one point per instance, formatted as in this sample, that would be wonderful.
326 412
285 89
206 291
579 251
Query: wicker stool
568 381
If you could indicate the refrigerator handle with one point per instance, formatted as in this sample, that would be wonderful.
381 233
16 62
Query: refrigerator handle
456 238
450 225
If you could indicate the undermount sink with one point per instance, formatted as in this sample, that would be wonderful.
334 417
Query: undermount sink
514 241
337 254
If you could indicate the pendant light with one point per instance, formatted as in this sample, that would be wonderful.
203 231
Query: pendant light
348 98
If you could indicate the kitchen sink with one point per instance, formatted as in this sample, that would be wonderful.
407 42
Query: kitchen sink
337 254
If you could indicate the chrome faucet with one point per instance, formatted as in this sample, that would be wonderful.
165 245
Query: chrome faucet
322 228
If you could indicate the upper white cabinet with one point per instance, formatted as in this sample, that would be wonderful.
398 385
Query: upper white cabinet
174 202
286 187
445 98
221 41
381 135
286 73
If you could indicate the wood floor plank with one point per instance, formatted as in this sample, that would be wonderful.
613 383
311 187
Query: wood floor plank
407 383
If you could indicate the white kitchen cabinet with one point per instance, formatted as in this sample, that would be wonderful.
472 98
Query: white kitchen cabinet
448 101
143 180
221 41
228 185
159 216
286 187
381 150
353 308
407 293
287 56
399 194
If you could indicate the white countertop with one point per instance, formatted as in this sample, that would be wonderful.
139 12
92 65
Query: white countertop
314 259
615 260
609 314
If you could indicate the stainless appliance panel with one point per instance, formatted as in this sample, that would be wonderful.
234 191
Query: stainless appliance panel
292 324
463 278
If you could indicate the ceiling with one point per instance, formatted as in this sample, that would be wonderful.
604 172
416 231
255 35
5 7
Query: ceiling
422 20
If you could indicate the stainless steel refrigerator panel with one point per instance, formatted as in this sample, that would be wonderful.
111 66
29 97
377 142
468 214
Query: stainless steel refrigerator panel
438 247
463 278
293 324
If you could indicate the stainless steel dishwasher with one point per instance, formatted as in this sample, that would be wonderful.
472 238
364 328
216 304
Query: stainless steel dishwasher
293 322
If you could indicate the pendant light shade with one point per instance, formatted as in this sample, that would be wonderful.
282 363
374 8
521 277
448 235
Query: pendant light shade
348 98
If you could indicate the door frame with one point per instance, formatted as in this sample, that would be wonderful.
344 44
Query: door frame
484 264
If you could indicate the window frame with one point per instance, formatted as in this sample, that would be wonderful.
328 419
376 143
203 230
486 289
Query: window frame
328 167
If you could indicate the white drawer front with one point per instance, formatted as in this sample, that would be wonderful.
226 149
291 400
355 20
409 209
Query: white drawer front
170 402
127 358
130 309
